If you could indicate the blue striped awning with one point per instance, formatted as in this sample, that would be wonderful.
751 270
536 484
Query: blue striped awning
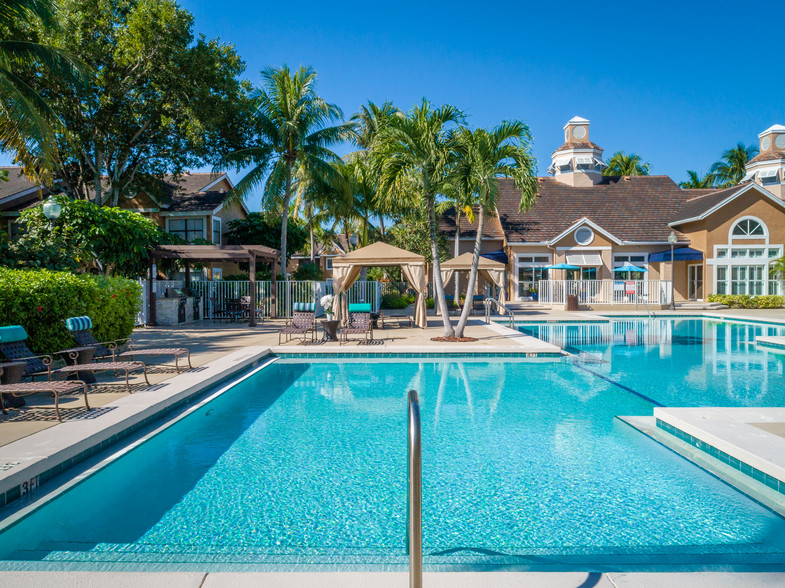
680 254
499 255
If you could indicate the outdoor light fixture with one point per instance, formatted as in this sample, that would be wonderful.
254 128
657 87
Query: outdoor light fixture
354 240
52 209
673 238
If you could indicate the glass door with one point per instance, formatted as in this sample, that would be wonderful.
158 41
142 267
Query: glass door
695 282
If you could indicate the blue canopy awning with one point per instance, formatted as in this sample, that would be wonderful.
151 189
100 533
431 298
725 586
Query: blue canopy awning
499 256
680 254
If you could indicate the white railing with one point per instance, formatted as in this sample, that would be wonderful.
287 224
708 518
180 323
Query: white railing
595 292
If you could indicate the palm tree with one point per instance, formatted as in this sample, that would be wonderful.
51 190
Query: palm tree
416 149
622 164
294 133
694 181
482 158
26 121
732 167
460 203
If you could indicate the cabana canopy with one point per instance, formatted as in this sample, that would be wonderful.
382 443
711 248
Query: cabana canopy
492 271
347 267
249 253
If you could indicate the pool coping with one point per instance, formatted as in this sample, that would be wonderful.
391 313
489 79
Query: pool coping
28 462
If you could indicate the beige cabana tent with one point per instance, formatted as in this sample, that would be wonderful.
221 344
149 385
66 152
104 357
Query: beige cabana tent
492 271
347 267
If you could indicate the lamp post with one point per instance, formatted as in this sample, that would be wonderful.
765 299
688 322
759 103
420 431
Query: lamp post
672 240
52 210
354 240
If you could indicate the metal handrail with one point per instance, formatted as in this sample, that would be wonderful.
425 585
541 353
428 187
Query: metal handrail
414 531
487 302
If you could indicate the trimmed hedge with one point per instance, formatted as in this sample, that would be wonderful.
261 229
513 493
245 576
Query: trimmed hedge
393 300
746 301
40 300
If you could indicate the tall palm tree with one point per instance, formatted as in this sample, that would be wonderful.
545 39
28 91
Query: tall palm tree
482 157
622 164
460 203
694 181
26 120
416 150
295 130
732 166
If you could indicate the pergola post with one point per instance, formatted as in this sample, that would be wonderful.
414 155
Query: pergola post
187 274
252 276
274 289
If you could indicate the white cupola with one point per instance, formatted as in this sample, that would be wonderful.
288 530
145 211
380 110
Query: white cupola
767 168
579 161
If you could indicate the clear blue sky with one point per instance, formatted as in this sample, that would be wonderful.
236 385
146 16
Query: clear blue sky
677 82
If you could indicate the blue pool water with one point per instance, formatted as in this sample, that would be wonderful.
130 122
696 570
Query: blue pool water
304 464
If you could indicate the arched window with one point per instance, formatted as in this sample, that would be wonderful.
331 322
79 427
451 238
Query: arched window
748 227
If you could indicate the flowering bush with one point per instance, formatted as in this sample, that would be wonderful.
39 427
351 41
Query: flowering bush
40 300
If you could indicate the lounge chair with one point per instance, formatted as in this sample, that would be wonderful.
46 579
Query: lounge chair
303 322
477 303
19 389
79 327
14 348
359 322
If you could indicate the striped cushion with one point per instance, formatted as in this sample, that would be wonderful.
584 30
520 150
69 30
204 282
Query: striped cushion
304 306
78 323
360 307
12 334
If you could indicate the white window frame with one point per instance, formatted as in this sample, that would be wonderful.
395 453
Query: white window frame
532 264
732 237
585 242
328 263
213 219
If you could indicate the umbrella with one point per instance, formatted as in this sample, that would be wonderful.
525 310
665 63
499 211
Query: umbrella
563 266
630 268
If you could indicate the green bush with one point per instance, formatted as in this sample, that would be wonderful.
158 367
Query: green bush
747 301
308 271
393 300
429 303
40 300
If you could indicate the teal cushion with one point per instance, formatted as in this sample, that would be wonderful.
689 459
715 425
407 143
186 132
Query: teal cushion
12 334
78 323
359 307
478 297
304 306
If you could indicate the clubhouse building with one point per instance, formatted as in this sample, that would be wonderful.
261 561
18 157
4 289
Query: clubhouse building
724 240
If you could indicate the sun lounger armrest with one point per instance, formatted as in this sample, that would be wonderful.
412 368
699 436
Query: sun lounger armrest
47 360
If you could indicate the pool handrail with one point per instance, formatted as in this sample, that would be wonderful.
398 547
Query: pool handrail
414 518
488 301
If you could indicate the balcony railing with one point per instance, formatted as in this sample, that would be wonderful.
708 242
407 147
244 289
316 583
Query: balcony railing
596 292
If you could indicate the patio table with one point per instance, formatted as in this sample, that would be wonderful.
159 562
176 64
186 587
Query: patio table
330 329
12 373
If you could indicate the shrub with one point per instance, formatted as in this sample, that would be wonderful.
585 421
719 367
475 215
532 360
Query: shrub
747 301
308 271
40 300
393 300
429 303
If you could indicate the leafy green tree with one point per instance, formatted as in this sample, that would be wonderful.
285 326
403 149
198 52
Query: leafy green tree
623 164
261 229
116 241
694 181
482 158
732 167
294 130
414 150
159 99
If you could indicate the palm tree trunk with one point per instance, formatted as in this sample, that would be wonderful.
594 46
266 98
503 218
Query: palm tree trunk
457 252
285 218
381 225
313 241
467 304
437 271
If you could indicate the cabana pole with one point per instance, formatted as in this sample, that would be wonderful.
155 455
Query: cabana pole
252 276
151 295
274 289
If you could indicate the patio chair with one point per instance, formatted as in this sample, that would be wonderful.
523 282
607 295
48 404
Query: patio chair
360 322
57 389
245 301
14 348
301 323
478 303
79 327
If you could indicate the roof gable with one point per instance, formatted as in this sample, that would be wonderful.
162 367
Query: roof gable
584 221
700 207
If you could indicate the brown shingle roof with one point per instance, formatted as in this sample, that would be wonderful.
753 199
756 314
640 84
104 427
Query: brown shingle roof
491 230
636 208
578 145
697 205
185 193
16 184
767 156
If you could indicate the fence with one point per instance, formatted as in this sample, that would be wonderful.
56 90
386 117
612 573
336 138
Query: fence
595 292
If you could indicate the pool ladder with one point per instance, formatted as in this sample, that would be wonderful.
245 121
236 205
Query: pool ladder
488 301
414 515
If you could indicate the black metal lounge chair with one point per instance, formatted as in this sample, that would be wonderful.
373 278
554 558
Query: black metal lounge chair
14 348
79 327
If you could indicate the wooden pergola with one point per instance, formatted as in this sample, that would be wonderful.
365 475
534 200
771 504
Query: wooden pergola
206 253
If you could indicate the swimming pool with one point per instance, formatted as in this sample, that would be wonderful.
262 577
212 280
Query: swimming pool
303 465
